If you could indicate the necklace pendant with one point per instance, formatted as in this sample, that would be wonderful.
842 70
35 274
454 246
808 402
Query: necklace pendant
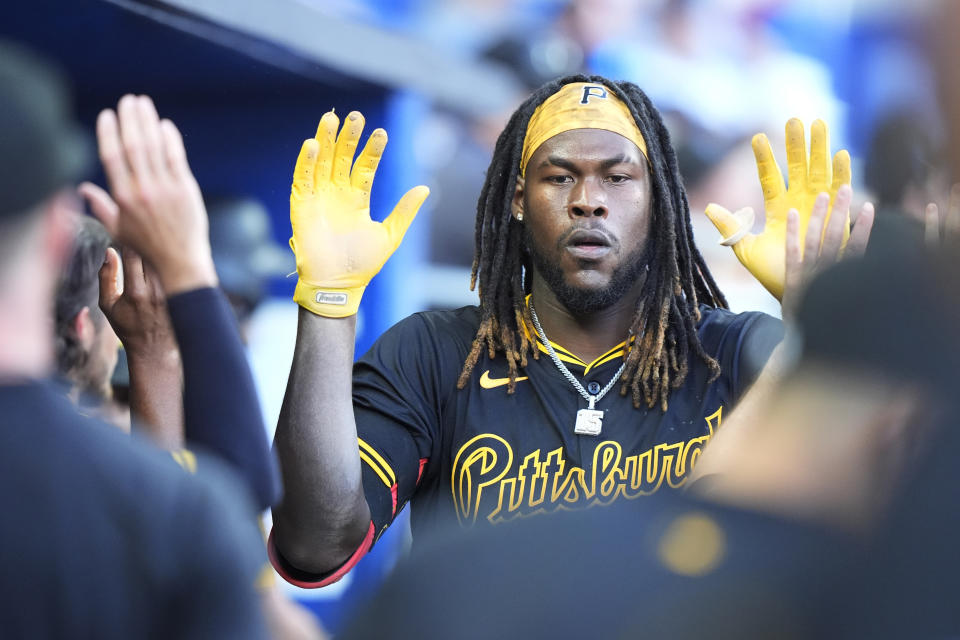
589 422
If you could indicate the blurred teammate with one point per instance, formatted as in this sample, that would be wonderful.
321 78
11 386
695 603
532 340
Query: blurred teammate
167 308
106 537
209 404
589 283
86 343
836 434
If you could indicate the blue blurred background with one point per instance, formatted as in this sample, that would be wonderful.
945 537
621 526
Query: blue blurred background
247 81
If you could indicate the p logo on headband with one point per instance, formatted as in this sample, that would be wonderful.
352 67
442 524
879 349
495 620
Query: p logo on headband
579 105
592 90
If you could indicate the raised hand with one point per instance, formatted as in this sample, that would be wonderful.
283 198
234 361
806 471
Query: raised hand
763 254
338 247
133 301
822 243
156 206
943 228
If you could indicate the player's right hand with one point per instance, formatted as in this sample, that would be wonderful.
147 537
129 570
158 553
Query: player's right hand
338 247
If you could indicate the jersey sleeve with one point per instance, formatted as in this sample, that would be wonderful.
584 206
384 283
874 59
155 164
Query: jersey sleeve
220 408
761 335
758 336
741 343
219 556
396 400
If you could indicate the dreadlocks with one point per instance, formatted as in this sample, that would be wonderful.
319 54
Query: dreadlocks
663 332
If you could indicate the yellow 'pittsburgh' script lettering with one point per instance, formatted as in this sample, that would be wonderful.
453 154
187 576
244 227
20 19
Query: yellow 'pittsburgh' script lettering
545 482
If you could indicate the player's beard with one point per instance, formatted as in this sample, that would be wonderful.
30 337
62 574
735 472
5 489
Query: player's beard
581 300
92 374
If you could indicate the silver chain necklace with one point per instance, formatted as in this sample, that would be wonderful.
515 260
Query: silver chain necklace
589 420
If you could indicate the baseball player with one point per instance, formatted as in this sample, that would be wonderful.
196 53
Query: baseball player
596 366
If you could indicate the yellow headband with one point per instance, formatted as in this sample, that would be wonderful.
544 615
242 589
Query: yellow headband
579 105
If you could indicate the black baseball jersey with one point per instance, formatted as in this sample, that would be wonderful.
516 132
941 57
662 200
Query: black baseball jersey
104 537
480 455
668 566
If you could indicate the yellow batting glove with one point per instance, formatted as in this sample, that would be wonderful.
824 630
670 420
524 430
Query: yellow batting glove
764 254
338 247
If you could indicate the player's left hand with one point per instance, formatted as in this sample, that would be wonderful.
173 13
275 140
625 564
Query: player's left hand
823 243
339 248
156 206
763 254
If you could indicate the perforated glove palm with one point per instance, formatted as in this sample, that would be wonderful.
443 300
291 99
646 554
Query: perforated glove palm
763 254
338 247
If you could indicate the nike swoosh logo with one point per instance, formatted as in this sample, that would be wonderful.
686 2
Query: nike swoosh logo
492 383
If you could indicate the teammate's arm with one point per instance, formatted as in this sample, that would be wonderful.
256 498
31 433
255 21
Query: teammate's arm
157 209
324 518
133 301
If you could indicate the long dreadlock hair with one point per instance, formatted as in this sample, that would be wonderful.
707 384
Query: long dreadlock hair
664 330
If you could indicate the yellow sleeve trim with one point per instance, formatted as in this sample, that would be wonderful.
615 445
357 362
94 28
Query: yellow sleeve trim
369 455
185 459
265 579
377 469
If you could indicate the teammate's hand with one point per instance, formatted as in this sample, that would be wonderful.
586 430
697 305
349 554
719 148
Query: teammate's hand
133 301
156 208
943 228
822 243
763 254
338 247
